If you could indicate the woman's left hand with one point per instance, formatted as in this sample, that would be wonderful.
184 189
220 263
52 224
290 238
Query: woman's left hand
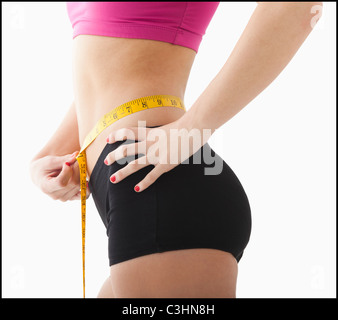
165 147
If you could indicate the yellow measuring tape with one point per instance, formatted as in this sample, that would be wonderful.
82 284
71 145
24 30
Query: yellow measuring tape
108 119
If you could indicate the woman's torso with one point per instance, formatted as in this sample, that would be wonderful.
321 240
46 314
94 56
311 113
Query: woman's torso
110 71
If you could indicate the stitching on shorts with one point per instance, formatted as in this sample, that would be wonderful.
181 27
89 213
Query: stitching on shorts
179 27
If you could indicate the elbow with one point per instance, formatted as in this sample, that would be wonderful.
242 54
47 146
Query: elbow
316 13
306 13
304 6
310 14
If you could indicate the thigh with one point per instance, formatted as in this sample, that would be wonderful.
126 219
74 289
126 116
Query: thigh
106 290
192 273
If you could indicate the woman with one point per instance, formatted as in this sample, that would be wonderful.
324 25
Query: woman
173 230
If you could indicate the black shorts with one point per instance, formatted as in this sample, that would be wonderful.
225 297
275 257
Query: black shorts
184 208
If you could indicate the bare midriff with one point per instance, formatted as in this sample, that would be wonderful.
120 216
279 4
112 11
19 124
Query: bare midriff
108 72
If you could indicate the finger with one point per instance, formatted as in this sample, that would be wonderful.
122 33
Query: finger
64 177
130 133
72 158
68 193
124 151
77 195
56 162
62 194
51 184
150 178
75 180
73 193
66 190
130 168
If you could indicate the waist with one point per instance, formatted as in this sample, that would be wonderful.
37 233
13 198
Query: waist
151 117
108 72
88 114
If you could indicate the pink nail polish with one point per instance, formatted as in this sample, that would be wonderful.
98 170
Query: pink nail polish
112 179
107 140
68 164
137 188
106 161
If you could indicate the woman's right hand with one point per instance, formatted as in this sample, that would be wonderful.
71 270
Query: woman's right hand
58 176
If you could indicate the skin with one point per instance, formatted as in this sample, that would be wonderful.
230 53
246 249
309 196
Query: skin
111 71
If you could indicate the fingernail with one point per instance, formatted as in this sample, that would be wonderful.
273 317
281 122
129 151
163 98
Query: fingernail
106 161
137 188
112 179
107 140
68 164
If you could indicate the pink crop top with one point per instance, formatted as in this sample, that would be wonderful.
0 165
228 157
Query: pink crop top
179 23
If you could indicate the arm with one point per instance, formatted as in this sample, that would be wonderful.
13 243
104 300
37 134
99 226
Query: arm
271 38
54 169
65 140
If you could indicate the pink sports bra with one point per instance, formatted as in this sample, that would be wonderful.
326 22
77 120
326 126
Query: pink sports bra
179 23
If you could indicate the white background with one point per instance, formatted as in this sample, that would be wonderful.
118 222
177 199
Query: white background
281 146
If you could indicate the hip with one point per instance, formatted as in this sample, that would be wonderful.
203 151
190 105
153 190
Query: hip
200 202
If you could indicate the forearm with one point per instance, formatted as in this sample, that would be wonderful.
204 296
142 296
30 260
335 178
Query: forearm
65 140
273 35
